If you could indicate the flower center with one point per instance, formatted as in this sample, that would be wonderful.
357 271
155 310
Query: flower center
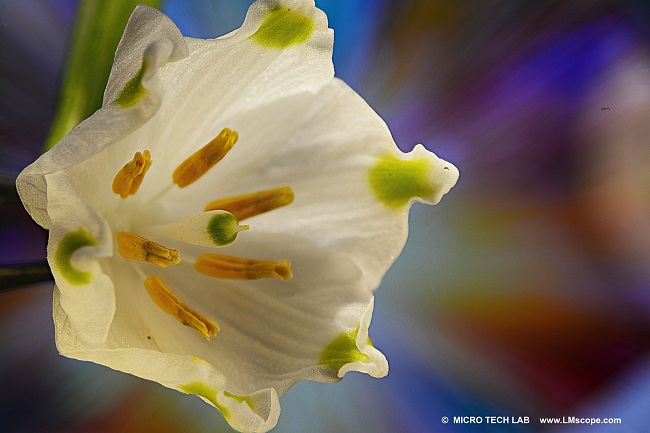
217 226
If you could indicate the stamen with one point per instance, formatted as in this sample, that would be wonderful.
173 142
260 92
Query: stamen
205 158
174 306
236 268
132 246
128 179
249 205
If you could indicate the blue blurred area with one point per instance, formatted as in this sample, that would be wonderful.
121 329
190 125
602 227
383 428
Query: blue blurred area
524 293
355 24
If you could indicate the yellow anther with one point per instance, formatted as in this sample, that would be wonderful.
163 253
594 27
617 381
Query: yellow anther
174 306
235 268
249 205
205 158
128 179
136 247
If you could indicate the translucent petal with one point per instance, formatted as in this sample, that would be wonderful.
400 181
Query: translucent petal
273 333
298 128
149 34
181 372
324 147
224 78
89 303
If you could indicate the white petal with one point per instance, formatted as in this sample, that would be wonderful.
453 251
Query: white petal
273 333
257 412
86 292
228 77
298 127
378 367
110 124
137 345
322 146
148 35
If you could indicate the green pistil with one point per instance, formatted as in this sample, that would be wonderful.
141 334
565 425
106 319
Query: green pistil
223 227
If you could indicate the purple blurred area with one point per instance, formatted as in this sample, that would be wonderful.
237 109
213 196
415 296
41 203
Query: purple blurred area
525 293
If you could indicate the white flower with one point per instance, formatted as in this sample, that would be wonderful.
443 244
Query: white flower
144 200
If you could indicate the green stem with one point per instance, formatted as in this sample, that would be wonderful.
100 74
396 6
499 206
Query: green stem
8 193
16 276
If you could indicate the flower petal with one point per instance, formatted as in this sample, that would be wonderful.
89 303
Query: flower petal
325 147
272 334
77 242
353 350
161 42
149 37
137 345
89 62
230 76
257 412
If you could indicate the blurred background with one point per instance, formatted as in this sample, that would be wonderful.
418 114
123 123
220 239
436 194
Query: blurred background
525 293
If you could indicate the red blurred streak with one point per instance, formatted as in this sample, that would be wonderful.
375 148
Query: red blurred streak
561 351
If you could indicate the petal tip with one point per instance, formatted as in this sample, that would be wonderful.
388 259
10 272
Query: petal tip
398 181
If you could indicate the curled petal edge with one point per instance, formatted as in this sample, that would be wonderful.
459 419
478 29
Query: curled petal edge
376 365
255 412
111 123
149 35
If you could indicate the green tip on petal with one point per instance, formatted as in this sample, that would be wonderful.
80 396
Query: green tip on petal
283 27
396 181
63 256
97 32
343 350
203 390
241 399
223 228
133 91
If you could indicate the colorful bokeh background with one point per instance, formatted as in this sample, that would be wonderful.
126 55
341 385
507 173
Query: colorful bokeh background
525 293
